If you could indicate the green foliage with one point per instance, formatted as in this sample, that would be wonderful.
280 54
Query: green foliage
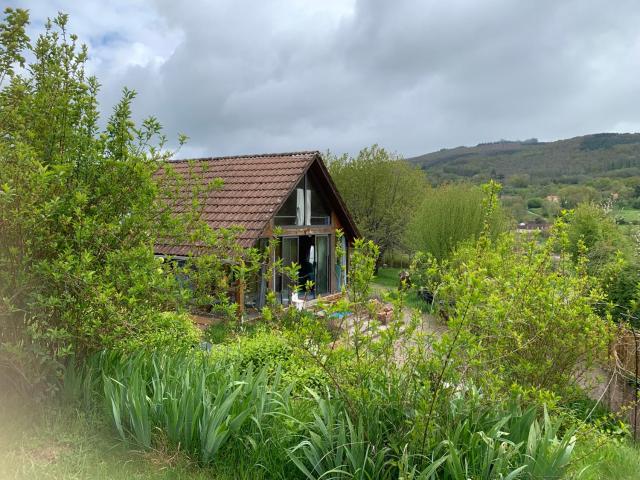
387 402
503 442
192 402
332 446
274 348
534 203
516 314
166 331
573 195
612 258
247 421
450 215
81 210
522 163
381 191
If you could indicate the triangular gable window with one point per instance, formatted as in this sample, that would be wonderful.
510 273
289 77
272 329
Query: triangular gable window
304 206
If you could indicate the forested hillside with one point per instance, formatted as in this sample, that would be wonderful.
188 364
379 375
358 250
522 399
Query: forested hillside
564 161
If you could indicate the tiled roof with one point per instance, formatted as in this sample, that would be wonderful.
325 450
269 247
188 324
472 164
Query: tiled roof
254 187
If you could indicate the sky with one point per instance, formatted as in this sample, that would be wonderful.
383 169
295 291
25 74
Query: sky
260 76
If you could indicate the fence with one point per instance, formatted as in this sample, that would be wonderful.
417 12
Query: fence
623 391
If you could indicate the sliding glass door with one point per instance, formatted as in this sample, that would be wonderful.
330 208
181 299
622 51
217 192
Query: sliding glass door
312 254
289 255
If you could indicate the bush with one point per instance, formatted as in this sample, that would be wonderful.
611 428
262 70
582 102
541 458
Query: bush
165 331
273 349
81 211
247 420
450 215
517 315
611 258
535 203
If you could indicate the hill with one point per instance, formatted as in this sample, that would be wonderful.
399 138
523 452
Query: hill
571 161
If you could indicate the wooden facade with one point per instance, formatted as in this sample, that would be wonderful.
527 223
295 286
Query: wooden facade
290 193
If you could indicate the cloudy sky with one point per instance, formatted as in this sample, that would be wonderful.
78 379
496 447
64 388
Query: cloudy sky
241 76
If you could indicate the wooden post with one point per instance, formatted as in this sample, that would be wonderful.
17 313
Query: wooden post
240 298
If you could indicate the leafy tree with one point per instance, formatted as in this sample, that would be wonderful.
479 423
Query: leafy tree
381 191
573 195
612 257
451 214
81 210
519 317
519 180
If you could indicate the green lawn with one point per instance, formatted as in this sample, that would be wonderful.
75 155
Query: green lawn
388 277
619 460
54 443
628 214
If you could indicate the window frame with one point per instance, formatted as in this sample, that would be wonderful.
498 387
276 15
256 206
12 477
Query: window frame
307 206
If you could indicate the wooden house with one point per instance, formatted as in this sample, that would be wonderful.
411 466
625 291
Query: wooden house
292 191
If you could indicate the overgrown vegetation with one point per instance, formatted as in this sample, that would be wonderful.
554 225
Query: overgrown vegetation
382 214
449 215
356 388
80 212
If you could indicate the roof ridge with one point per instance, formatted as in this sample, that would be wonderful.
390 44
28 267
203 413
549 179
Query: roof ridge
257 155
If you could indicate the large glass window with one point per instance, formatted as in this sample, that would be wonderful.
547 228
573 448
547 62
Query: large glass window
288 251
322 264
292 212
304 206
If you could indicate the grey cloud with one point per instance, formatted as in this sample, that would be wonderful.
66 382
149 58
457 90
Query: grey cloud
415 76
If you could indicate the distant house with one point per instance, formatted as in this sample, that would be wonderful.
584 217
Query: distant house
532 226
293 191
553 198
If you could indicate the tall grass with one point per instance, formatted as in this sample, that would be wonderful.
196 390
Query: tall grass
186 401
248 422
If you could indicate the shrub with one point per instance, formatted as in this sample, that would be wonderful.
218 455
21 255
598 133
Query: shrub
592 233
165 331
450 215
81 211
273 350
518 315
535 203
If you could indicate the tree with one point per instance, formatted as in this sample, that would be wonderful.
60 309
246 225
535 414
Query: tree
81 210
382 193
573 195
611 256
520 316
449 215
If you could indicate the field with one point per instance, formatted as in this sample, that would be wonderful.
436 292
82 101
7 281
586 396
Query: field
629 215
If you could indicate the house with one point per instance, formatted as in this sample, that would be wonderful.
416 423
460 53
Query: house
532 227
291 191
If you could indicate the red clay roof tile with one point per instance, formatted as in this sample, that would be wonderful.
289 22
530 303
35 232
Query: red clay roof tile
254 187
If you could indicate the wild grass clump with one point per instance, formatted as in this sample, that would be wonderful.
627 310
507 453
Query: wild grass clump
190 402
248 419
